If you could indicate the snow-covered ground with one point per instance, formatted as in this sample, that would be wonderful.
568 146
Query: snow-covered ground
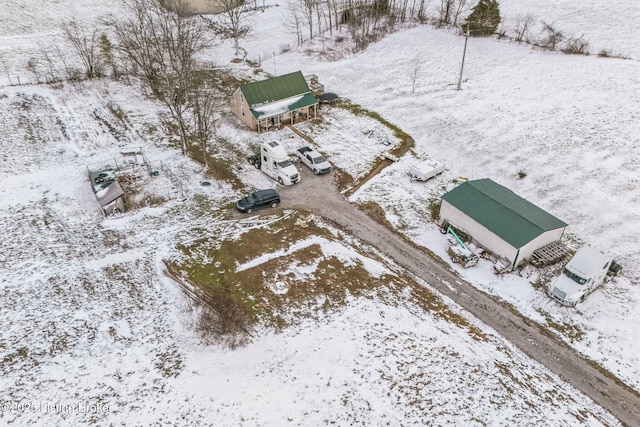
89 318
568 122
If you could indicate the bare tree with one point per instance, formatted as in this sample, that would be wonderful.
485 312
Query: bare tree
335 7
294 20
551 37
162 45
523 24
53 75
205 106
6 68
576 46
85 45
462 8
445 10
32 66
421 15
235 23
320 17
307 9
330 15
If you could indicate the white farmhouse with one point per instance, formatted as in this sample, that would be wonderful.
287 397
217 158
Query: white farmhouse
499 220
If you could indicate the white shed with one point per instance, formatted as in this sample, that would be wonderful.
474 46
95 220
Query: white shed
499 220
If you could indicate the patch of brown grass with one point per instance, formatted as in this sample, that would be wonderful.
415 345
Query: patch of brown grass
376 212
238 300
573 332
217 167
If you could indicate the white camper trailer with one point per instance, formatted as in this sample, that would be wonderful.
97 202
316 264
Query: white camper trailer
426 169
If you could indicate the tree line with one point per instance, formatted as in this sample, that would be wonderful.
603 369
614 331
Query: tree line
159 43
162 43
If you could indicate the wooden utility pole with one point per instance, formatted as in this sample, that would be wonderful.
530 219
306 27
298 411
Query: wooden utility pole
464 53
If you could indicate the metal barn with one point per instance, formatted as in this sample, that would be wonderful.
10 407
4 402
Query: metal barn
499 220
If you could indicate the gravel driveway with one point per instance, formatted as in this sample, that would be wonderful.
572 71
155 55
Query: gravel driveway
319 195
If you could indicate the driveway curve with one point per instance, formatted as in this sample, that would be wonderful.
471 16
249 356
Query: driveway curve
319 195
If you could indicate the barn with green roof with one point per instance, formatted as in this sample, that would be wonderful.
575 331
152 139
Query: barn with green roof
270 103
499 220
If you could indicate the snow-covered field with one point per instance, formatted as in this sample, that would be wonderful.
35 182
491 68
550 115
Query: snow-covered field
89 318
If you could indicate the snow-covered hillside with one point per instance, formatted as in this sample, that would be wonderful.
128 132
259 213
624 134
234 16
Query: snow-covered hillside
89 318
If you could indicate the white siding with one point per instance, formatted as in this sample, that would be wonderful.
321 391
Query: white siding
492 242
479 232
544 239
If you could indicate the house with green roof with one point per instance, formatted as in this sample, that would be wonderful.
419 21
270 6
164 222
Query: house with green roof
499 220
275 101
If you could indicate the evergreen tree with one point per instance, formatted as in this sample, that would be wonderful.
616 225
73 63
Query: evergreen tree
484 19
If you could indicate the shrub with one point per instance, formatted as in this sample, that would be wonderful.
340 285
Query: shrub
551 37
434 209
576 46
605 53
608 53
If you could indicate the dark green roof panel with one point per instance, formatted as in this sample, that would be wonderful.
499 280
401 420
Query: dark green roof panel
504 213
275 89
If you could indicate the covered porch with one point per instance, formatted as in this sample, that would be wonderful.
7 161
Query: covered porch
288 111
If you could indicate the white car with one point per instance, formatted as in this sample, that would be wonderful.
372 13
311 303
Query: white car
314 160
587 270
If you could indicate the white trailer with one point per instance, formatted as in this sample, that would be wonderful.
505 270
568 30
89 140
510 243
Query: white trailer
426 169
274 161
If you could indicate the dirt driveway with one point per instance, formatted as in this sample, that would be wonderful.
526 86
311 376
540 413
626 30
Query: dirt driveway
318 194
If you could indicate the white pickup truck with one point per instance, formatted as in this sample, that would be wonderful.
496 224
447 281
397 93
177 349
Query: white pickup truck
314 160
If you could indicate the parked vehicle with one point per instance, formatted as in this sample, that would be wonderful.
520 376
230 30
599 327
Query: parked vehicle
314 160
274 161
258 200
425 170
586 271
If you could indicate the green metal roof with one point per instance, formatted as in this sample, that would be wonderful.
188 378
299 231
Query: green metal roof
275 89
509 216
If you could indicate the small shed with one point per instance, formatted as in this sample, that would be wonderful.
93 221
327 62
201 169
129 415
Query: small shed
273 102
499 220
108 191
